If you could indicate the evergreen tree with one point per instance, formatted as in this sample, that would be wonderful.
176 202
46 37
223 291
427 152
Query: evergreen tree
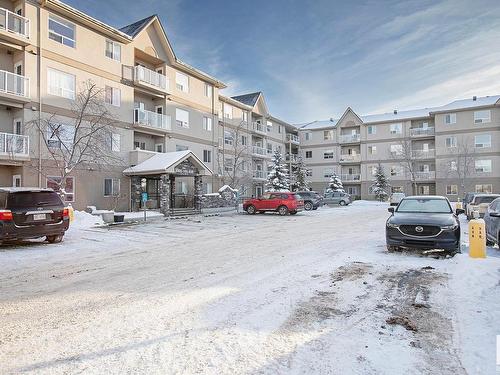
335 184
277 179
380 186
299 172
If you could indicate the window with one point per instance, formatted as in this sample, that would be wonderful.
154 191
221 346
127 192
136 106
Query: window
372 150
309 172
397 189
182 82
374 170
423 190
484 188
269 126
309 154
181 148
207 124
60 135
328 154
395 170
451 189
113 96
228 165
54 183
140 145
115 142
182 118
18 126
207 188
280 129
159 147
327 135
483 166
61 31
269 147
111 187
208 90
372 129
61 84
328 173
308 136
244 166
396 128
207 156
228 138
245 116
453 165
450 118
482 141
397 149
113 50
228 111
244 140
482 116
451 142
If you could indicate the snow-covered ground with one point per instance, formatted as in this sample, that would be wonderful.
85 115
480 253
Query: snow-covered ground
240 294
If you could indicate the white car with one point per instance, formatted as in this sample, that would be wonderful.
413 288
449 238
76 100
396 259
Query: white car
480 203
396 198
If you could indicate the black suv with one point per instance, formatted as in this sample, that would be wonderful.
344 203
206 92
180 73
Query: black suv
312 200
32 213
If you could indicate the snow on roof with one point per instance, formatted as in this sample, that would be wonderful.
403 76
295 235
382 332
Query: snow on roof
318 124
469 103
399 115
161 162
227 187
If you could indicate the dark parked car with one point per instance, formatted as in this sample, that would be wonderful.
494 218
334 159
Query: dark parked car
492 221
32 213
423 222
312 200
468 197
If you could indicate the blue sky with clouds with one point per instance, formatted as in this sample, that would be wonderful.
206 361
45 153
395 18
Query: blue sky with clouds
312 59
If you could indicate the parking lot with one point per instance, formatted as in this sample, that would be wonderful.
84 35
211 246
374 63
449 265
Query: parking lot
311 293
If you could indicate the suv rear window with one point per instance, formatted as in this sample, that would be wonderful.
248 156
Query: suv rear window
27 199
479 200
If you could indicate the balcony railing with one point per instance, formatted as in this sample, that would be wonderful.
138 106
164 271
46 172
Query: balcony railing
347 138
150 77
14 23
257 150
292 138
350 177
259 128
346 158
430 175
14 144
14 84
292 157
423 154
152 119
259 174
421 131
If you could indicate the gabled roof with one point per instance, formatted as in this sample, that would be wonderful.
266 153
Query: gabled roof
469 103
165 163
349 110
248 99
324 124
135 28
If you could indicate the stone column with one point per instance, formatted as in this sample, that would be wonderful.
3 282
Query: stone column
165 194
172 191
135 194
198 191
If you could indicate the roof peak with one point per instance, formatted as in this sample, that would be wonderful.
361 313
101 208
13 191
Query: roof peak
135 28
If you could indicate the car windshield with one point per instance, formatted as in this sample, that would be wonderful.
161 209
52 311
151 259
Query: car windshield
438 206
479 200
27 199
297 196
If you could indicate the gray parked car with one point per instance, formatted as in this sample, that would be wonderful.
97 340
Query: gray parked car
492 221
337 197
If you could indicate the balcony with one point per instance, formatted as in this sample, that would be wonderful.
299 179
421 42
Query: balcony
259 128
152 120
292 138
150 79
346 158
260 175
350 177
416 132
14 27
423 154
15 86
14 146
349 138
292 157
261 152
430 175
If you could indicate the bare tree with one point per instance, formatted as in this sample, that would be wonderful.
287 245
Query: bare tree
237 172
460 162
405 156
83 139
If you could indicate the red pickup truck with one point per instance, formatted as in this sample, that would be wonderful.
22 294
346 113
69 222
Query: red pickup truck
282 202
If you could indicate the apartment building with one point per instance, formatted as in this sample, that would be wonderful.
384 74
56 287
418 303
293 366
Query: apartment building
436 141
161 104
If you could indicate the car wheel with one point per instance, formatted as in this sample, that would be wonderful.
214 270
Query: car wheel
308 206
55 239
392 249
283 210
342 203
489 242
251 210
315 208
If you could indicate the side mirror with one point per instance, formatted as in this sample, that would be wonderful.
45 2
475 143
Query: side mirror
390 209
459 211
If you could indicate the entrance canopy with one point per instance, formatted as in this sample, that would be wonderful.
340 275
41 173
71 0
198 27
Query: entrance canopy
179 163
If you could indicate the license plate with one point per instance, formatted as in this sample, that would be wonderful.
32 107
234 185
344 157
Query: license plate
39 217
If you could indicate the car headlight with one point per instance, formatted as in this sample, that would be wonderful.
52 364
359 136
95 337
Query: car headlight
449 227
391 225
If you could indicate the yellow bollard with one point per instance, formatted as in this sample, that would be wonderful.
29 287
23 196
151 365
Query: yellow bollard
458 205
71 213
477 238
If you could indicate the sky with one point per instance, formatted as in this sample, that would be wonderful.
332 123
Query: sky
313 59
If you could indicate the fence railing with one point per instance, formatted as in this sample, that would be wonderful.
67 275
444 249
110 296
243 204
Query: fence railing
350 158
260 174
152 119
350 138
14 23
423 154
430 175
422 131
14 84
350 177
14 144
150 77
292 138
259 127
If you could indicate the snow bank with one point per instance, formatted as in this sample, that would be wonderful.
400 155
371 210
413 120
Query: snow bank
84 220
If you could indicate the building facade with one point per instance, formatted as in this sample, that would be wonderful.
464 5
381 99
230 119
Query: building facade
444 150
48 50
